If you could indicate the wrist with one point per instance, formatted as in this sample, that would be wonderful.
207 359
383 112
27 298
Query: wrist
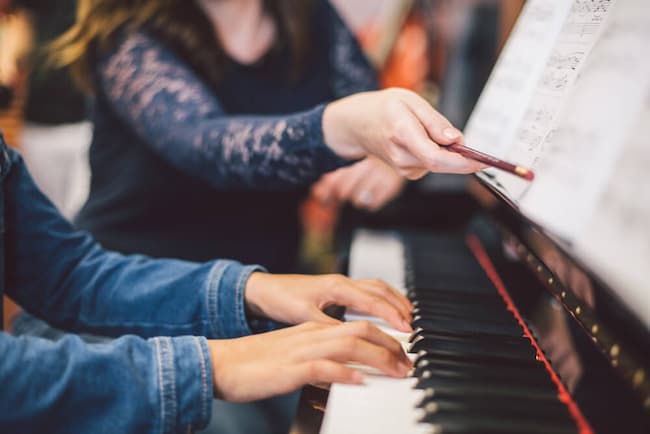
253 293
338 131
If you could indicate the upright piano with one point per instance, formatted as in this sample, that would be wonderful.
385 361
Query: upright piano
532 315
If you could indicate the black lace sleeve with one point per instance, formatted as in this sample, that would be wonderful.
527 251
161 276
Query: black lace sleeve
173 111
351 70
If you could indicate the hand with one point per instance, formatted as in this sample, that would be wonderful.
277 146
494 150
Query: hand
369 184
295 299
269 364
397 126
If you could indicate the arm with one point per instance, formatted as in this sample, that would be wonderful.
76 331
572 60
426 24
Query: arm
63 276
175 113
130 385
351 71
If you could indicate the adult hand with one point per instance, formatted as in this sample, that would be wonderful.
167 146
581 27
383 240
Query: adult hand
369 184
397 126
295 299
269 364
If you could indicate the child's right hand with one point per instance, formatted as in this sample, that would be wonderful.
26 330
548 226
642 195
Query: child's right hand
278 362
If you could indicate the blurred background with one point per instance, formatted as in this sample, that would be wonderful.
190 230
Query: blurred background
443 49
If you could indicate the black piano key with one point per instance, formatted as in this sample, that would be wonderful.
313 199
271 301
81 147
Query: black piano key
455 423
529 370
484 374
496 306
489 300
505 407
497 317
467 325
545 405
471 348
483 337
489 388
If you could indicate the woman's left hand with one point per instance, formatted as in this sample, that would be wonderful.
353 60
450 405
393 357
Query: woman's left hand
294 299
369 184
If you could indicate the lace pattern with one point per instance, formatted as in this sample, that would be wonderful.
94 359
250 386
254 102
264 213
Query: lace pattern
170 108
351 70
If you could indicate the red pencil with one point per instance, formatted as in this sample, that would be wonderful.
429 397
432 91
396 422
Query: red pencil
473 154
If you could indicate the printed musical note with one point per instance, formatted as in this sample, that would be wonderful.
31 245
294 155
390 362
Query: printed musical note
504 101
574 166
556 82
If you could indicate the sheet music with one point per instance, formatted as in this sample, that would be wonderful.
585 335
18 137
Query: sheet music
503 103
579 33
580 153
617 240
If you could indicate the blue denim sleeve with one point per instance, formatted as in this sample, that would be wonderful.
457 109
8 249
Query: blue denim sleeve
172 110
64 277
351 72
130 385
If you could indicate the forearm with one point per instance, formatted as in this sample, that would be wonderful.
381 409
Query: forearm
163 385
156 95
260 152
65 277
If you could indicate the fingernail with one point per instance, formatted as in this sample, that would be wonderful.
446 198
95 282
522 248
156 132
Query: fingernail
451 133
358 377
406 325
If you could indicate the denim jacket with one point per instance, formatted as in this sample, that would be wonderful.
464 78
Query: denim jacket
134 384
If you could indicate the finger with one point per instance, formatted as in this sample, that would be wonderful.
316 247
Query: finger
438 127
367 331
349 184
378 306
413 136
355 349
382 289
319 372
324 189
432 156
372 191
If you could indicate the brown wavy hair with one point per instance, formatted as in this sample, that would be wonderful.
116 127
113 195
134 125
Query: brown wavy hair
181 24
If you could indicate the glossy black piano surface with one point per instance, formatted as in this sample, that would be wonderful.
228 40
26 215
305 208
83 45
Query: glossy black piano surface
479 371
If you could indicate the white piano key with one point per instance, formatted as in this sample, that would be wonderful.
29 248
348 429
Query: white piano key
383 405
377 255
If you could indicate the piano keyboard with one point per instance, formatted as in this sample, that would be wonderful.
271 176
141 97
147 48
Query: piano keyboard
475 369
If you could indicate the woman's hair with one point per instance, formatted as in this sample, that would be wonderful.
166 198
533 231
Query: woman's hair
181 24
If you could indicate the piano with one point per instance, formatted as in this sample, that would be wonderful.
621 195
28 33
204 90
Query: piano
532 314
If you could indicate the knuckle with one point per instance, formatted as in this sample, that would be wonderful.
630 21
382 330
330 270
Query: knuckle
364 327
349 344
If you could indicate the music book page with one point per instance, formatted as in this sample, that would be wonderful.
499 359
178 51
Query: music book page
579 155
617 239
505 98
579 33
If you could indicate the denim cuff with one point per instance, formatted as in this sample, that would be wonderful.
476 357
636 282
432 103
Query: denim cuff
226 303
184 382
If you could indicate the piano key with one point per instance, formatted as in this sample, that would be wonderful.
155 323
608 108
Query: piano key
487 388
484 337
466 326
455 423
450 400
528 370
482 374
465 312
474 348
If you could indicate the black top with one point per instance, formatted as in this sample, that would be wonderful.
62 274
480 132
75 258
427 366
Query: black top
181 171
